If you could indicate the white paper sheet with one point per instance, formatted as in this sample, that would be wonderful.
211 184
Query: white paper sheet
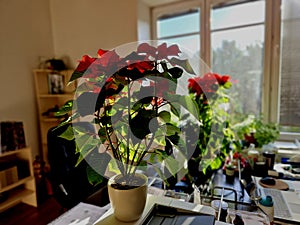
81 214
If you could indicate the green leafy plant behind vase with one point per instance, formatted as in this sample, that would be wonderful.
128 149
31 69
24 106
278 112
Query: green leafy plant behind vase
139 116
253 129
216 138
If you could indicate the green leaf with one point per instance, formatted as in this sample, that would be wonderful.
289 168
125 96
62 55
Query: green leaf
76 75
67 107
184 63
172 165
86 143
113 166
68 134
227 85
165 116
159 137
172 130
176 72
188 103
69 119
174 110
93 177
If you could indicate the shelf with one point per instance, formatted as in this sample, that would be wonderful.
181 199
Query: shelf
23 190
16 184
46 101
14 152
65 95
51 119
15 197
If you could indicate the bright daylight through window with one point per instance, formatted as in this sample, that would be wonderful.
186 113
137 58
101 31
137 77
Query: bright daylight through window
243 41
290 67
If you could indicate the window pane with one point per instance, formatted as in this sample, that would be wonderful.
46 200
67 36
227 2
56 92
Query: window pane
180 24
290 66
189 43
239 53
236 15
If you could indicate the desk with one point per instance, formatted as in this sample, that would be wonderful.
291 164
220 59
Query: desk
89 214
109 219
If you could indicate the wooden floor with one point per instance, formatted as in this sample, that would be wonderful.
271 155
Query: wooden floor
28 215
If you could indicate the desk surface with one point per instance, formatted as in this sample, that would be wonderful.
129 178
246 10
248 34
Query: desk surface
109 219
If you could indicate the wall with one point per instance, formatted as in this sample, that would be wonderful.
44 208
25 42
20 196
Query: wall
25 34
144 21
82 27
46 28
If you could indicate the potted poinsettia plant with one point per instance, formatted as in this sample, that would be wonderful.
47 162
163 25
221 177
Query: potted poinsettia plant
216 137
139 115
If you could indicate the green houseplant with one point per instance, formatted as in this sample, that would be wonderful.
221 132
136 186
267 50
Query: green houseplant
253 129
139 116
216 137
149 108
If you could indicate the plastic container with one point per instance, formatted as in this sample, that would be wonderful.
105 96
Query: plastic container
266 204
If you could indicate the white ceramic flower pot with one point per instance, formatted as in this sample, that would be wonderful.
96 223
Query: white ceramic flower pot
128 205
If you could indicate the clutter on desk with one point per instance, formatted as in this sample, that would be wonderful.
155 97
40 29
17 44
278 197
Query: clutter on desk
248 218
287 171
268 182
238 220
164 215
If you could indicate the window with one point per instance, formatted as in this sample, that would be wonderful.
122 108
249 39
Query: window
181 27
290 68
237 42
255 41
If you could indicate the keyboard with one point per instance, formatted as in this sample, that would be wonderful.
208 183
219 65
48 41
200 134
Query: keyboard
281 209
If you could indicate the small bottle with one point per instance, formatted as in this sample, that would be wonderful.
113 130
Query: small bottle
238 220
266 204
223 214
37 167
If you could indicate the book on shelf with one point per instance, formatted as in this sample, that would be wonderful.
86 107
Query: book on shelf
12 136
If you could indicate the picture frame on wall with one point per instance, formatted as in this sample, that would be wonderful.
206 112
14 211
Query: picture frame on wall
55 83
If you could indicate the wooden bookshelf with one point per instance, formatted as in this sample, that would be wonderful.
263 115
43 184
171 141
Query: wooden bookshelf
23 189
47 100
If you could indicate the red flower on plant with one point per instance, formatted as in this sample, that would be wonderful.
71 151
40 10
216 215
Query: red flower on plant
194 86
209 83
146 48
161 52
84 63
142 66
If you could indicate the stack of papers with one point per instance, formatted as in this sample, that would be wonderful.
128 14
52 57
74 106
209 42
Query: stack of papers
81 214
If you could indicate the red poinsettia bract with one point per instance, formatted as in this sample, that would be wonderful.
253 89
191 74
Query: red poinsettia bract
209 83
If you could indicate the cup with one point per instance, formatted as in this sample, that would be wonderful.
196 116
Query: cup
260 169
230 173
269 158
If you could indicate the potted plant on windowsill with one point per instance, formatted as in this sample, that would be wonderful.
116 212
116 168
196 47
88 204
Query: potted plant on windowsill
253 129
141 113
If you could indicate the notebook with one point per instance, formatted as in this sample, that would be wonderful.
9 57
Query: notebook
286 203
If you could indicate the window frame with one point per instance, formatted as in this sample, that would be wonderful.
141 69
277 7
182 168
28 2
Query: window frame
270 107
